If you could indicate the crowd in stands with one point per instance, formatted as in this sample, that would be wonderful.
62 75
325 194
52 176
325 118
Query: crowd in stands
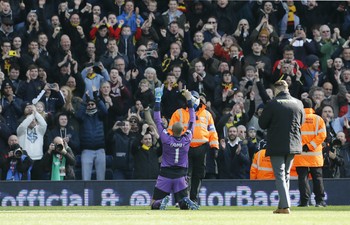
78 77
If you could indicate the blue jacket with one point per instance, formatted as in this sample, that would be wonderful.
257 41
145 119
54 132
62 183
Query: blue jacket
91 128
12 112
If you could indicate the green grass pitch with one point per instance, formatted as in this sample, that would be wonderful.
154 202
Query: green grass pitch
143 215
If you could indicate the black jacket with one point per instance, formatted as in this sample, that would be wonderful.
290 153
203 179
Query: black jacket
70 163
282 117
146 161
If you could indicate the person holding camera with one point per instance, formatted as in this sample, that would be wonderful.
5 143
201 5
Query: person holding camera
313 134
121 142
17 164
59 160
333 156
52 98
31 137
93 76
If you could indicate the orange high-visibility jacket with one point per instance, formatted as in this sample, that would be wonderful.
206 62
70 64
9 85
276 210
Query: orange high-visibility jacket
261 168
204 128
313 133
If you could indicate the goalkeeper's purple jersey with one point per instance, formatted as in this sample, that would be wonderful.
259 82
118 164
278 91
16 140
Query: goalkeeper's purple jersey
175 149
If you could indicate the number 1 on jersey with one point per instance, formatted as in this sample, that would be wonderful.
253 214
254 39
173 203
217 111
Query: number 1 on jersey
177 151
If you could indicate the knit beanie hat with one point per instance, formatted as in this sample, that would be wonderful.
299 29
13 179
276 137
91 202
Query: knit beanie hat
311 59
264 31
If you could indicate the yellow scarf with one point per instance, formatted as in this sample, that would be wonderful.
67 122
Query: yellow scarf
91 76
145 147
227 86
292 10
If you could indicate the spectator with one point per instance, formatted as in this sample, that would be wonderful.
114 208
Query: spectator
11 106
193 48
344 52
31 137
290 20
151 76
18 164
120 94
59 160
127 39
175 59
63 129
344 152
94 76
8 60
112 54
92 140
121 143
130 15
146 58
13 77
301 44
333 160
52 98
32 87
211 64
224 92
146 155
242 33
171 99
261 62
288 57
311 74
173 14
145 94
7 32
100 35
334 100
210 30
328 44
268 37
233 159
202 81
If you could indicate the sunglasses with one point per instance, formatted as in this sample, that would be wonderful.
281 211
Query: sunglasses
91 104
132 121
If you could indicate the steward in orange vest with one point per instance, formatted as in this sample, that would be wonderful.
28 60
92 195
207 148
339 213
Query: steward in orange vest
261 168
313 133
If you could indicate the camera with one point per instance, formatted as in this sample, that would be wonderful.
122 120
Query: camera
154 46
52 86
209 26
96 68
120 124
58 147
12 53
149 53
18 153
336 144
287 61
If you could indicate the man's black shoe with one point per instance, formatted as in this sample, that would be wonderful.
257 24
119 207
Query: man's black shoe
303 205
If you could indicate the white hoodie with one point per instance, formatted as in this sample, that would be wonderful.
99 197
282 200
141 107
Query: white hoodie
32 140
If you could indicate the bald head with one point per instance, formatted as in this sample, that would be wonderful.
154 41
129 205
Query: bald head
177 129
